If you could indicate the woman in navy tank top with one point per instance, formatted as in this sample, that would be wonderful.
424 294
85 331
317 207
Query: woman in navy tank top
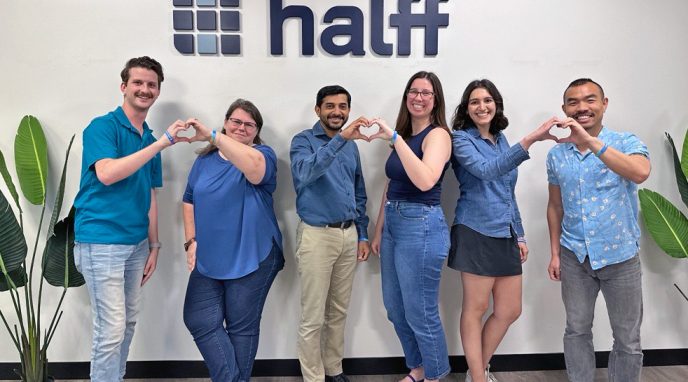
411 235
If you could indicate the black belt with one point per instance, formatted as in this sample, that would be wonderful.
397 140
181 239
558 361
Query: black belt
343 225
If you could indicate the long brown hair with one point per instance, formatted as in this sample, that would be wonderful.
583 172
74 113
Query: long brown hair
437 117
249 108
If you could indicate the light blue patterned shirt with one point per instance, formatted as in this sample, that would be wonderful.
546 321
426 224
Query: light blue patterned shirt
600 207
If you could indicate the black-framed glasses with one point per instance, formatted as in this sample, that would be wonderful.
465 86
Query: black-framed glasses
425 94
247 125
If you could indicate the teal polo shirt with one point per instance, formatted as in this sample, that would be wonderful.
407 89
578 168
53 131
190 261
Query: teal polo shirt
118 213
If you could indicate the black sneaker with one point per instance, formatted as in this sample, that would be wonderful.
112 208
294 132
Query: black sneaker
337 378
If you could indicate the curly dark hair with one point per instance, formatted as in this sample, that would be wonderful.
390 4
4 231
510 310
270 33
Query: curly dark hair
461 120
142 62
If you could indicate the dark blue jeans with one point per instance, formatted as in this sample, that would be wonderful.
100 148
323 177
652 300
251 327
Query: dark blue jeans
415 242
223 317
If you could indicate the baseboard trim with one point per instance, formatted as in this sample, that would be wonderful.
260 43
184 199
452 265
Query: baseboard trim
352 366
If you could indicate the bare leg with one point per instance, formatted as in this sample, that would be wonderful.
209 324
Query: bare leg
506 309
476 298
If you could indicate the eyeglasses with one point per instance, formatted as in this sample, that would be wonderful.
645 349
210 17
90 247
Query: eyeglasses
247 125
425 94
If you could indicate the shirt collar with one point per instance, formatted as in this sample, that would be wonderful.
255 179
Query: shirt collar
318 130
475 133
124 121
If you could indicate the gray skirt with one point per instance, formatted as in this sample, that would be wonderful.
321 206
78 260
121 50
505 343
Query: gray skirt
475 253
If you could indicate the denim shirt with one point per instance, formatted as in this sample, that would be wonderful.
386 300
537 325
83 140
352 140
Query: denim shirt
487 178
328 180
600 206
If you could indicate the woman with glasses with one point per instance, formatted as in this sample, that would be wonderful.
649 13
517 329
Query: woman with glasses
488 241
233 243
411 235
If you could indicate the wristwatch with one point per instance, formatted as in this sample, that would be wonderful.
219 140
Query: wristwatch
188 243
155 245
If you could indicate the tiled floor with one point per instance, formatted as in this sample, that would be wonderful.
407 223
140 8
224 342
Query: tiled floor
650 374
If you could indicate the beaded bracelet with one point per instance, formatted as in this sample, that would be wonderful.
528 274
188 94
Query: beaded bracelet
394 137
169 136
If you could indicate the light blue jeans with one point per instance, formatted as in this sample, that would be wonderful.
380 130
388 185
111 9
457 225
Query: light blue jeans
415 242
621 286
113 275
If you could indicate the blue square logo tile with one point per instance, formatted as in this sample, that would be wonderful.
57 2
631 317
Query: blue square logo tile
231 44
207 43
184 43
205 3
182 20
206 20
230 21
182 3
229 3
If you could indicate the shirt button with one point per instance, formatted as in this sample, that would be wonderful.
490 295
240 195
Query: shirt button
594 263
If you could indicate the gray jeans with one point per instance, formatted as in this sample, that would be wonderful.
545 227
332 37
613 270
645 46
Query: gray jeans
621 287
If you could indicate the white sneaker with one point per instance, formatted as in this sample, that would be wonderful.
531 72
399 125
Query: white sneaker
489 377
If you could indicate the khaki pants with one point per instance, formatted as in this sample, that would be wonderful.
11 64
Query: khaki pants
326 260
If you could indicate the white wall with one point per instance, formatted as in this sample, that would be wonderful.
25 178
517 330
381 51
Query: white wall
60 61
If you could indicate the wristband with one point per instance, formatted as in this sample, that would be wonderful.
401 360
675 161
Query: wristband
155 245
394 137
602 150
213 135
521 239
169 136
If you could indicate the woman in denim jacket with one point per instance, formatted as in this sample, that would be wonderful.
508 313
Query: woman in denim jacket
488 244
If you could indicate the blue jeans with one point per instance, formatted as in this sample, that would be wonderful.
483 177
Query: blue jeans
415 242
113 275
621 286
223 317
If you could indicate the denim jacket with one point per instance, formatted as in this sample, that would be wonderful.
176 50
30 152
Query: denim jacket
487 177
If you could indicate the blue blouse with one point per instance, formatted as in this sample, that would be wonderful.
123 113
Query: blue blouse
235 220
487 177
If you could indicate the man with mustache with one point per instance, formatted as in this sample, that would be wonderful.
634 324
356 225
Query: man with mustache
592 215
333 232
116 222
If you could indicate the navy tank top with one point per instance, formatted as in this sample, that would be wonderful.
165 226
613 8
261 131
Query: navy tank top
400 186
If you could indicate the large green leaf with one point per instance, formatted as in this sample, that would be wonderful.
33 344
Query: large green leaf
667 225
12 243
57 207
31 159
684 155
59 251
18 276
8 181
681 180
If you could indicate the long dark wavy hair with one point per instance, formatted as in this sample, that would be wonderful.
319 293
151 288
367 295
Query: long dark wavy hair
249 108
437 117
461 120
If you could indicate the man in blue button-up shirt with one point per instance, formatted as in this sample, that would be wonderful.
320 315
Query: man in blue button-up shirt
593 223
333 232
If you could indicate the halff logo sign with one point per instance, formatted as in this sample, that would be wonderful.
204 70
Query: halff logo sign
351 20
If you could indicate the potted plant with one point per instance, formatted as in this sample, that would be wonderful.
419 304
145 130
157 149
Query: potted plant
30 338
665 222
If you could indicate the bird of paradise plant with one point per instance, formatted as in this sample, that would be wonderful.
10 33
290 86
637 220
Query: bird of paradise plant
57 261
665 222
